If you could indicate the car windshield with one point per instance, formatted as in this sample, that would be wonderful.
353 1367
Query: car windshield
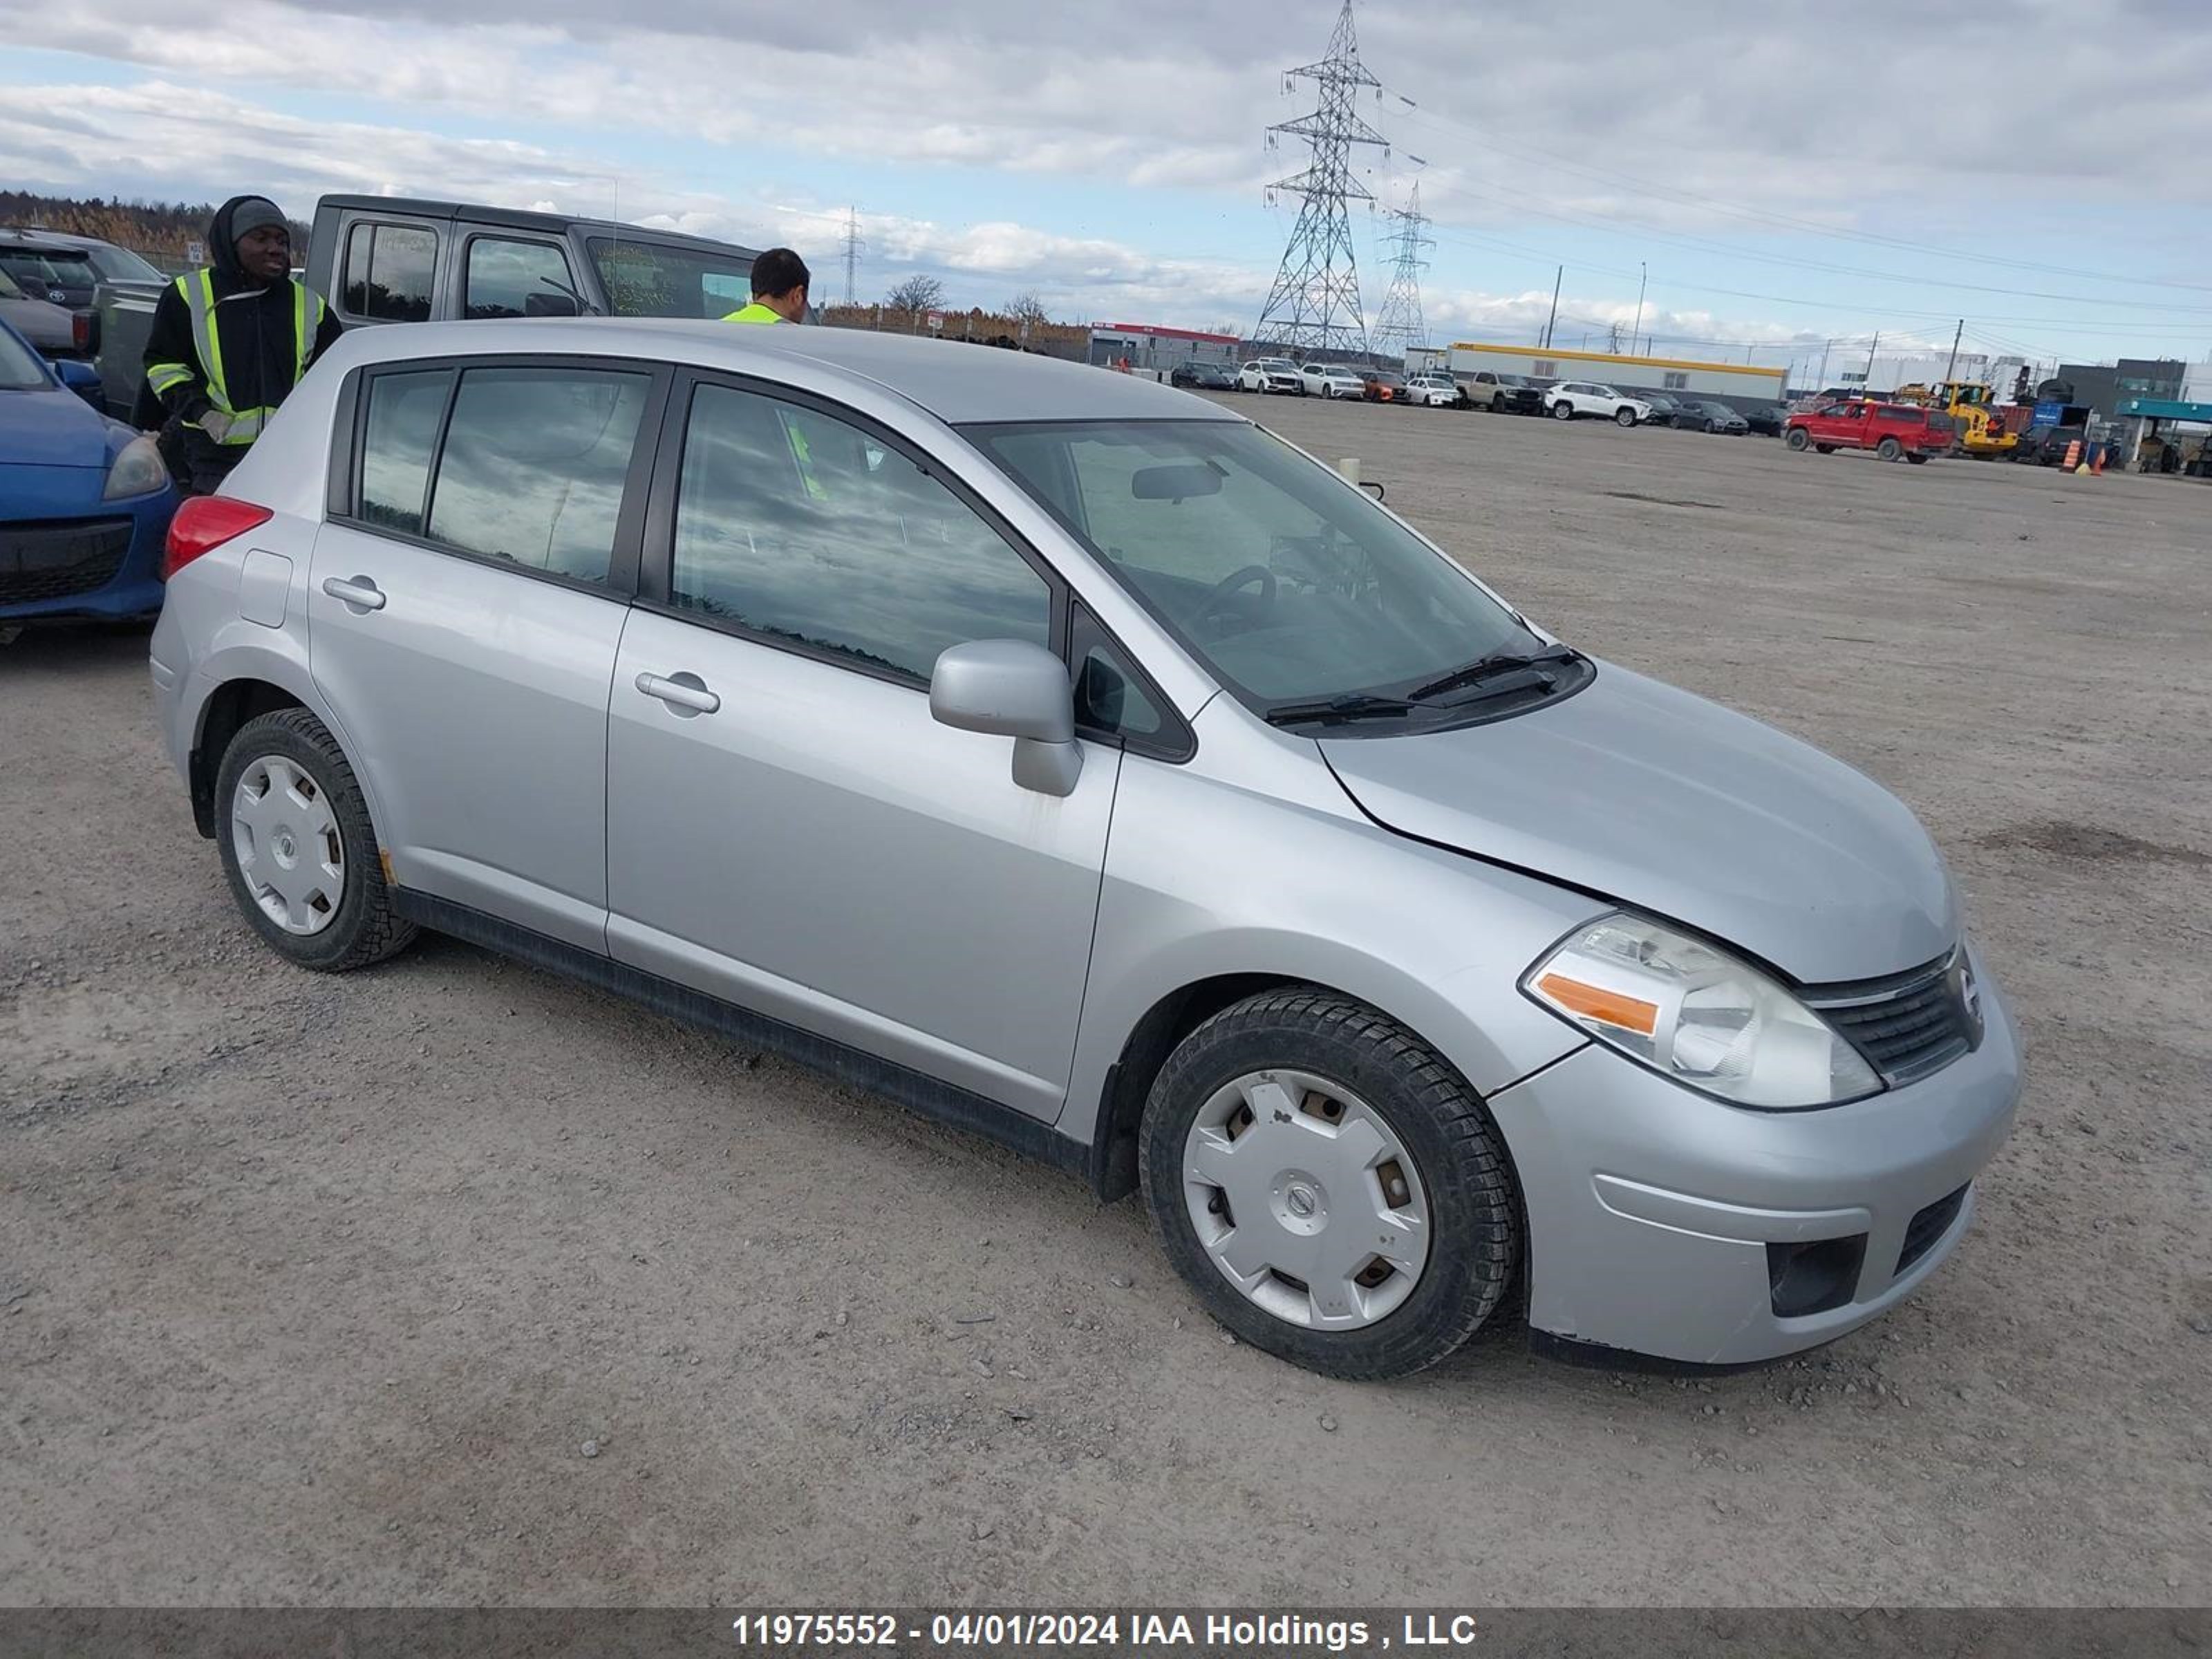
652 279
1288 583
120 265
20 369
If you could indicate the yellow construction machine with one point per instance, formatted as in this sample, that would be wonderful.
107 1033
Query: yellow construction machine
1977 430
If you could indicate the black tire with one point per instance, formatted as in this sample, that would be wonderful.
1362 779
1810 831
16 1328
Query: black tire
1709 429
365 928
1563 411
1918 460
1826 449
1623 418
1890 450
1475 1221
1798 439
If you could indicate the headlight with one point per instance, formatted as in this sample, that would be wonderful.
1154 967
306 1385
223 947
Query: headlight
1696 1014
136 470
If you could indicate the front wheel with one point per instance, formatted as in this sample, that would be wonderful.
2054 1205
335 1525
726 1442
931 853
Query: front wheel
293 829
1623 418
1890 450
1329 1188
1563 411
1797 438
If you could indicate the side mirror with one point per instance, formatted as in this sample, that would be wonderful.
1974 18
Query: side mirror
1013 689
81 379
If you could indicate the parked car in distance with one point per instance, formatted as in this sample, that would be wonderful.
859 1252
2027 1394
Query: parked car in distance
1766 419
1435 391
1393 1024
1380 385
48 269
1501 393
1703 415
52 330
1198 376
84 502
388 259
1896 432
123 300
1276 374
1569 399
1330 381
1663 407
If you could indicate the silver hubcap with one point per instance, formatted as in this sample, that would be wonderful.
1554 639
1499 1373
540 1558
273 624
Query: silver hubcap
1306 1200
286 840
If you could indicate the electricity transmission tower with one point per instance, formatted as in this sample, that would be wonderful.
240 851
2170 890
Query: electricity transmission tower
1399 328
853 246
1315 303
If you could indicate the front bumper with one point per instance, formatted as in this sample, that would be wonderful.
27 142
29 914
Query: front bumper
1651 1208
133 589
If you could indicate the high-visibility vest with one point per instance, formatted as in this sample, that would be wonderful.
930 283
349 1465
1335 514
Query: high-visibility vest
197 288
755 313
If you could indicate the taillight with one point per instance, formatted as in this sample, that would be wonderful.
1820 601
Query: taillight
82 332
204 523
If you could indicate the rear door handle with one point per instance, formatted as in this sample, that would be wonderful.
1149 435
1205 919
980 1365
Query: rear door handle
358 592
681 691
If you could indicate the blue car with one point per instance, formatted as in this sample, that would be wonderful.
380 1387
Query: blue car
84 500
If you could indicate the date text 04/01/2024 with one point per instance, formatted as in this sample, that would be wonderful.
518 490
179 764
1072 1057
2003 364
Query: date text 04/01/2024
1084 1630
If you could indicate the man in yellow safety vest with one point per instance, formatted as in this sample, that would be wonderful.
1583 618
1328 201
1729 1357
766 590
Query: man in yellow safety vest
780 279
229 343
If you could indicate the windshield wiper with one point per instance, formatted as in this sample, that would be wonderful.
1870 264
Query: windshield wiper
1489 667
1353 705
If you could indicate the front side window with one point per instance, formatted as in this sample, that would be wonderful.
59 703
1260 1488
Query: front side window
654 279
517 279
795 524
388 270
534 466
1288 584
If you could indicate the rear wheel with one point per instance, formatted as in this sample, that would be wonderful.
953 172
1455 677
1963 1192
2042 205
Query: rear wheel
1890 450
1563 411
1332 1191
1918 460
302 860
1798 438
1826 449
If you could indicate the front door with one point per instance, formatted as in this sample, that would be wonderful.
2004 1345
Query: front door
788 828
464 617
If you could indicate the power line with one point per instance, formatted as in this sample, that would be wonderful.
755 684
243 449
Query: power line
1399 328
1314 302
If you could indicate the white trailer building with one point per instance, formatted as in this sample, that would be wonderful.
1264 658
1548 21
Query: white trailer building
1731 383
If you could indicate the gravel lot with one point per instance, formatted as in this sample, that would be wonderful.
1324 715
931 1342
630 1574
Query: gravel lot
450 1281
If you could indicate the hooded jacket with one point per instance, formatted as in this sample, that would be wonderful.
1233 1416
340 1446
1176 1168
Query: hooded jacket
254 328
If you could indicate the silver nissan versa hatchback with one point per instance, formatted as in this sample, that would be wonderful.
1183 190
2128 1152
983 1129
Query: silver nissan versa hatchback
1063 755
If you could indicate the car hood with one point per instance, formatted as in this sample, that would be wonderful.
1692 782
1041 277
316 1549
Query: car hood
1661 800
50 426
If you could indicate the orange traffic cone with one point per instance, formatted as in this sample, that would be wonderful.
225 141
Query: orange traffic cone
2097 468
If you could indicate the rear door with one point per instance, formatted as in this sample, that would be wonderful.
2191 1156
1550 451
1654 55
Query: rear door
467 596
788 828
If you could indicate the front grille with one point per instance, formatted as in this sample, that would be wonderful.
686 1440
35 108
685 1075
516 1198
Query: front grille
56 560
1907 1025
1928 1225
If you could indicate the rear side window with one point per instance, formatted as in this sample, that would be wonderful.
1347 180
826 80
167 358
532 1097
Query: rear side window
1906 416
516 279
388 270
403 413
534 466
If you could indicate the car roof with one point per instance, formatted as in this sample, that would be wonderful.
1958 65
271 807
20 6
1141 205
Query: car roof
39 241
522 219
959 383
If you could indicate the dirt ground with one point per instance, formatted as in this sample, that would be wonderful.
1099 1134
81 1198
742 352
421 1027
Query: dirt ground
315 1290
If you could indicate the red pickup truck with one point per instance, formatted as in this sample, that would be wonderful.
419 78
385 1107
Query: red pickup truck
1893 431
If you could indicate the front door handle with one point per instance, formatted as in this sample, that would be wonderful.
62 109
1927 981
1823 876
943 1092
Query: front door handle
358 592
686 693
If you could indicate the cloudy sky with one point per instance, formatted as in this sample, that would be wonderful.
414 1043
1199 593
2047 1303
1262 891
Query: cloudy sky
1786 173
